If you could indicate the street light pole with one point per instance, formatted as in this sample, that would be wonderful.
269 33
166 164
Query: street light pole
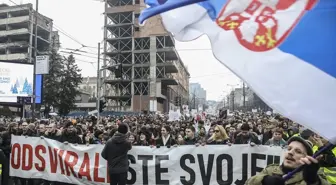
99 69
98 83
35 53
244 95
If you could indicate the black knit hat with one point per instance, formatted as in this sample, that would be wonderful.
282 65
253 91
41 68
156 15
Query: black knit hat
306 134
307 144
122 128
245 127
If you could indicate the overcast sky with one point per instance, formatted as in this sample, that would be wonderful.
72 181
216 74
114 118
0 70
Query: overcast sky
82 20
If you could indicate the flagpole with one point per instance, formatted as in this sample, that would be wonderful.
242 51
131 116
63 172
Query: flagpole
329 146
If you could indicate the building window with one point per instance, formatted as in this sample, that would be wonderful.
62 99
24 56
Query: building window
136 1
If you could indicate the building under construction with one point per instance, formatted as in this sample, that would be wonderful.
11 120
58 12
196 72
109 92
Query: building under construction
153 77
17 33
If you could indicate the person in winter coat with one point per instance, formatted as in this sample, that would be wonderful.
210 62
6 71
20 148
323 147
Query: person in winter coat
277 139
115 152
6 138
299 153
246 136
52 132
69 135
165 138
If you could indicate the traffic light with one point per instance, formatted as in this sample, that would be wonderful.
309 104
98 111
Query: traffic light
102 105
118 71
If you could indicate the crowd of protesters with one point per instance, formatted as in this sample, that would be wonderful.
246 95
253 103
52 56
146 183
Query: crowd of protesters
157 131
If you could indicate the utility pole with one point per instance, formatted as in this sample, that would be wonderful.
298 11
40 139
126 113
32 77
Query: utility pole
228 101
34 73
98 83
23 110
141 92
233 100
244 95
194 98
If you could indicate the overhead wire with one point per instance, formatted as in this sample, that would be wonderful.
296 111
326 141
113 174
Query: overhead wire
79 50
75 51
79 54
59 29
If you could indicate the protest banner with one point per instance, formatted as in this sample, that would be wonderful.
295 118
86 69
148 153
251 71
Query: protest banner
80 164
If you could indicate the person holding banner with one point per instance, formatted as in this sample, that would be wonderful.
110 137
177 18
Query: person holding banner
165 138
115 152
299 152
219 137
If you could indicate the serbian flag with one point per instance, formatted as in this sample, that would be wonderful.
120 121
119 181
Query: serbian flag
285 50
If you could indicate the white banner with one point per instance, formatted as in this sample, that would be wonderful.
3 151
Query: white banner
203 165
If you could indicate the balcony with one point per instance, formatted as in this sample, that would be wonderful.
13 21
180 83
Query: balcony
14 57
169 54
14 45
117 81
167 79
21 31
169 65
14 20
116 6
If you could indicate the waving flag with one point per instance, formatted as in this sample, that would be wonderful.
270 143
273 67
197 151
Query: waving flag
284 49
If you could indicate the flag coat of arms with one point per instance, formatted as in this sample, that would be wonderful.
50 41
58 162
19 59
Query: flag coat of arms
285 50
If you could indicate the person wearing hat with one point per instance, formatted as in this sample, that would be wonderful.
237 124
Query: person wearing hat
298 153
328 162
115 152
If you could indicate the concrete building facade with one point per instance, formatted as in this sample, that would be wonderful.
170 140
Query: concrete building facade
235 100
17 38
153 76
87 100
17 33
197 95
89 85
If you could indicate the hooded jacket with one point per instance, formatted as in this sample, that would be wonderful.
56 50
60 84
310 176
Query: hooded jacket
115 152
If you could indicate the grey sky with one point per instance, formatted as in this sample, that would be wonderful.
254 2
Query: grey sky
83 20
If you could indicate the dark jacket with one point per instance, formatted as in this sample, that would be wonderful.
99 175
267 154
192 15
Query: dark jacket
223 142
70 137
56 135
188 141
5 145
141 143
251 138
266 136
170 142
5 168
115 152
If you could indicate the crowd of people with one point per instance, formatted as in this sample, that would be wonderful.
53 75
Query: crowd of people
157 131
253 129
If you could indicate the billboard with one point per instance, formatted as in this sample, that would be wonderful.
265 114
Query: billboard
16 79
